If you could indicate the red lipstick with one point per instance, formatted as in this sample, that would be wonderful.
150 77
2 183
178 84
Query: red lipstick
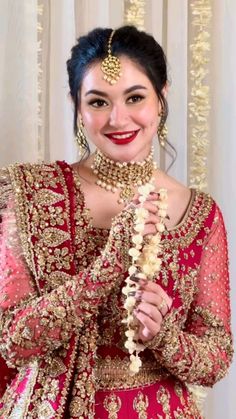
122 138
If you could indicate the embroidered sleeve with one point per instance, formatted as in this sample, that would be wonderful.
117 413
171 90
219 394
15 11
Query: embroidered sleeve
32 325
201 352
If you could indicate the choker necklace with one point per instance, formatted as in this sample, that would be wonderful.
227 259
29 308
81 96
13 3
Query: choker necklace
122 175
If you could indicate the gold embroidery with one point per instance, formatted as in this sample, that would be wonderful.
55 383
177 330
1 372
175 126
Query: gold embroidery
46 197
14 407
163 397
46 411
184 234
140 405
112 404
5 188
188 411
87 250
54 237
58 278
179 392
56 367
43 227
114 373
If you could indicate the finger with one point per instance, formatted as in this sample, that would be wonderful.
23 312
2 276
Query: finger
152 326
144 334
151 286
155 299
153 196
150 206
151 311
149 229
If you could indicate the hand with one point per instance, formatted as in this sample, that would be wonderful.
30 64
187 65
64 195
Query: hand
153 305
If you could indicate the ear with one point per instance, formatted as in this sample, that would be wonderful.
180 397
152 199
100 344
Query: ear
165 90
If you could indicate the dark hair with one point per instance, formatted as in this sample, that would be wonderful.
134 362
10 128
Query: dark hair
127 40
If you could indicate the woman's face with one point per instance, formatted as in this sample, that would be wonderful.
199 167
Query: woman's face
121 119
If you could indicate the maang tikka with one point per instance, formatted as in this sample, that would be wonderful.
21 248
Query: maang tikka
111 66
81 138
162 130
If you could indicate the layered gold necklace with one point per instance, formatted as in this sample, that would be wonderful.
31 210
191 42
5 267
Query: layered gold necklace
125 176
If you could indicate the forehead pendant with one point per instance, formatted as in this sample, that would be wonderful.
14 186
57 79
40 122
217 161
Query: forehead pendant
110 66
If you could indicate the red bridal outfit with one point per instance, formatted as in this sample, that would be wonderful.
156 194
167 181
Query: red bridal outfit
61 307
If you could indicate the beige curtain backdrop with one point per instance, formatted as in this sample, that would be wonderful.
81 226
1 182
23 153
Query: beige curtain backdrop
36 113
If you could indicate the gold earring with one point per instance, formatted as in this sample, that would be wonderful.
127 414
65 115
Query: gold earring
81 138
162 130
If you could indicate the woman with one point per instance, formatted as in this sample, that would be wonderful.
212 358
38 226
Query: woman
66 239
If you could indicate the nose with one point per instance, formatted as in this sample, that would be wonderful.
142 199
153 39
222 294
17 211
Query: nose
118 116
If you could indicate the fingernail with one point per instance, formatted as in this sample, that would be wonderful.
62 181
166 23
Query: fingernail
138 295
132 293
134 278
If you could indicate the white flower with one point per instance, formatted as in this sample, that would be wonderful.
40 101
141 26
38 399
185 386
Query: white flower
130 333
160 227
129 302
147 269
139 227
161 213
163 205
137 239
142 199
135 364
155 240
141 275
145 264
130 345
127 289
163 194
132 270
141 212
134 253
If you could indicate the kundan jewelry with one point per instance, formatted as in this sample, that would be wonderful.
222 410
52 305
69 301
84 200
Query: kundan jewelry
146 264
162 130
124 176
81 138
111 66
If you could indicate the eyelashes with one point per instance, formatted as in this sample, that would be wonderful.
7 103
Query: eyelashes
98 103
101 103
135 98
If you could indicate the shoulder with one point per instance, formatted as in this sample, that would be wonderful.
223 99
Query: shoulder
186 203
5 188
15 177
32 170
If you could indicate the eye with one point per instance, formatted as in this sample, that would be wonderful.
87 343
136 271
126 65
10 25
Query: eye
135 99
98 103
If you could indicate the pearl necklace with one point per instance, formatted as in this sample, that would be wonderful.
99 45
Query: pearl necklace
122 175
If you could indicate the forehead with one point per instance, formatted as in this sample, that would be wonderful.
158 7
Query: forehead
132 74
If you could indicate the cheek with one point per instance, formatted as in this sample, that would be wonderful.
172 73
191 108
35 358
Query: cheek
93 121
149 120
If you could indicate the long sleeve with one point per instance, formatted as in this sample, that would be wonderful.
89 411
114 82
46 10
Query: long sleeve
32 325
201 351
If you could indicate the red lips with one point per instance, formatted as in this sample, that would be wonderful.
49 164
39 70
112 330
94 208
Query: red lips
126 137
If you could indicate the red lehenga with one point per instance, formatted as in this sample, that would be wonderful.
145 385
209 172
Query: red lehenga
61 306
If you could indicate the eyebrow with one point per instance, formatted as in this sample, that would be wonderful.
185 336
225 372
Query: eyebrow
103 94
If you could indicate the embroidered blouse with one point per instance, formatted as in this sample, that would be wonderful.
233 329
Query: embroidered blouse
61 306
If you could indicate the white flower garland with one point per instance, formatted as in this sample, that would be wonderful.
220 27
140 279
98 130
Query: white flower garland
145 264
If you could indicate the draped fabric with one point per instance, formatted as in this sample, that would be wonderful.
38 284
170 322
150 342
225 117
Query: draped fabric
61 325
36 114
